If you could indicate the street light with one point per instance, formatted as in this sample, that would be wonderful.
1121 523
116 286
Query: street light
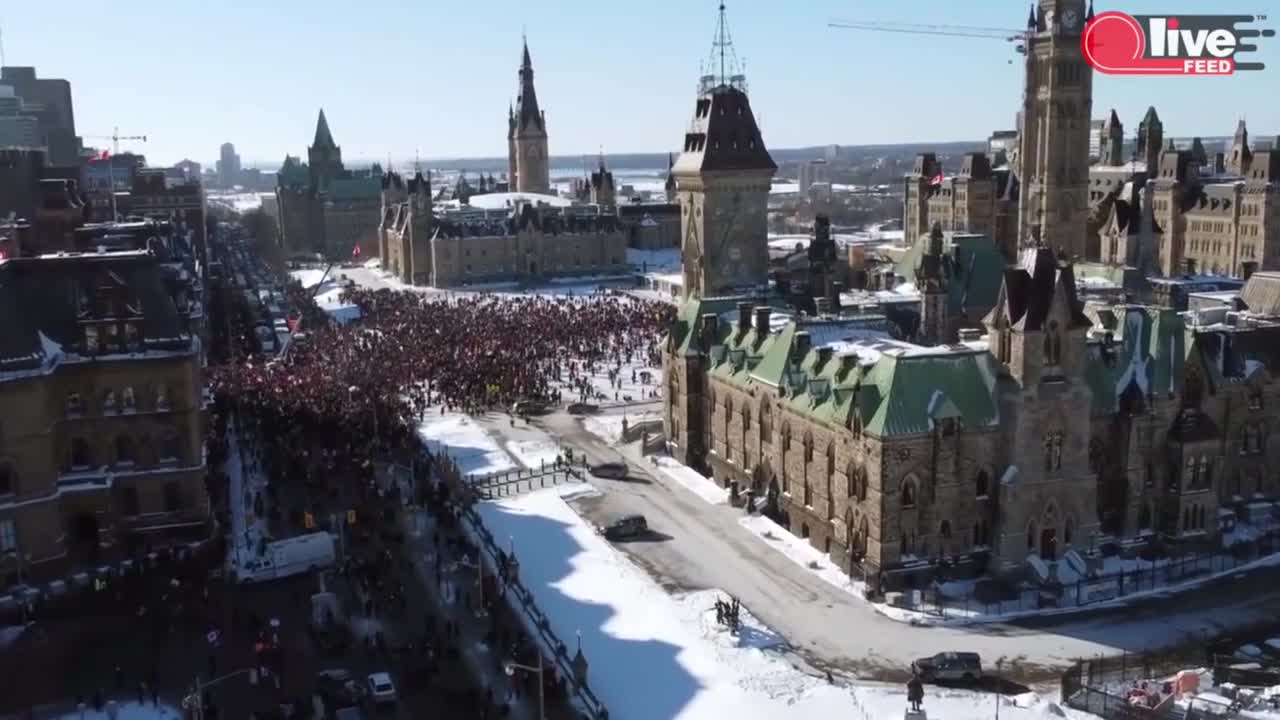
510 668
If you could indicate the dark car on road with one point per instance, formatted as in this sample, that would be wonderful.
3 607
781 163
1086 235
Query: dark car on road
613 470
949 667
623 528
338 688
582 408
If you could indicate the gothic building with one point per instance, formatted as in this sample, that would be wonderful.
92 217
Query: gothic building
324 207
527 160
1043 436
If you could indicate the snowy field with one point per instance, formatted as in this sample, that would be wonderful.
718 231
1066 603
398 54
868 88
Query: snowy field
609 427
534 454
462 439
692 667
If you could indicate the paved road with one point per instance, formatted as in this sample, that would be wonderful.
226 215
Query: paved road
707 548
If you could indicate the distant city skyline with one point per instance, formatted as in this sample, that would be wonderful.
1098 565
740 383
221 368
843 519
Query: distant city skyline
615 77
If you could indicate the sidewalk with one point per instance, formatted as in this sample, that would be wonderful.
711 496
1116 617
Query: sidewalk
451 596
243 484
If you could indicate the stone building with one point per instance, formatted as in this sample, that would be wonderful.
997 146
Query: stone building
101 442
182 202
528 164
528 244
977 199
1053 428
325 208
405 233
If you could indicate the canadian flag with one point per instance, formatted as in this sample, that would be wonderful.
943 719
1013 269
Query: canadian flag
104 155
936 179
355 252
4 251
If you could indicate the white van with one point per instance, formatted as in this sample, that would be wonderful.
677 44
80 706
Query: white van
283 558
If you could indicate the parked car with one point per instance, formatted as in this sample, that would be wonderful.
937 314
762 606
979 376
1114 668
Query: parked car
582 408
529 407
949 666
1249 653
338 688
613 470
380 689
625 527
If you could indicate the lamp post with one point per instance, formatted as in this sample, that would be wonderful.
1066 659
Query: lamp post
510 668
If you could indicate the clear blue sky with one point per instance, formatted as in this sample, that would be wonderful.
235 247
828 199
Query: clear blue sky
435 76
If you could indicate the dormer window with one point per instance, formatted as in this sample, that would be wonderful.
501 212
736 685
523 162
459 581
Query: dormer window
75 404
127 400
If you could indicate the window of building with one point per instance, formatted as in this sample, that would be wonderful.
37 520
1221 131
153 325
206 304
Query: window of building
808 494
831 459
909 491
131 336
808 447
8 536
126 451
1052 344
128 402
1053 451
128 501
945 530
81 458
981 534
981 483
172 496
1144 518
109 402
1255 400
91 345
170 446
75 404
1031 536
786 438
162 398
8 486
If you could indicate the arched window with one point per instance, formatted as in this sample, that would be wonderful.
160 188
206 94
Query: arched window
746 417
808 447
909 491
786 439
172 496
1068 530
74 405
127 401
1144 518
981 534
1031 536
162 397
945 530
981 483
831 459
126 453
109 401
170 446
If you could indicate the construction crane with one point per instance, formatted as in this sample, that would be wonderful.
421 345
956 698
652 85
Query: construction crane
115 137
1018 37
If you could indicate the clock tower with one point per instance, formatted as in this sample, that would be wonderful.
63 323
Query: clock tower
1053 130
722 180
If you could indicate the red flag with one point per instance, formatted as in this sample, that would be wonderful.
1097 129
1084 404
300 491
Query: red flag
104 155
355 252
4 251
936 179
293 323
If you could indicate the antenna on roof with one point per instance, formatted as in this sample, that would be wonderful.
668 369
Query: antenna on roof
417 165
723 58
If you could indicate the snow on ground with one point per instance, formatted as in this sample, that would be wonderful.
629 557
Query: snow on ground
534 454
654 260
246 482
691 666
609 427
128 711
329 293
692 480
801 552
466 442
309 277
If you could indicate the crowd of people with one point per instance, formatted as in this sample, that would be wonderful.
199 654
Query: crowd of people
411 352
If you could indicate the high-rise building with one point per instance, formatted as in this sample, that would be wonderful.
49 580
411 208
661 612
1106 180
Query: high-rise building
228 166
49 100
527 160
18 127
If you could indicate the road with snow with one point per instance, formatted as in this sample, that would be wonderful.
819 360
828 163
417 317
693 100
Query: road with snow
701 545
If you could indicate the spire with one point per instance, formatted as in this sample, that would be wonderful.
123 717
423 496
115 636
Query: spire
323 137
527 113
602 158
1031 19
722 67
1113 121
1088 15
1151 116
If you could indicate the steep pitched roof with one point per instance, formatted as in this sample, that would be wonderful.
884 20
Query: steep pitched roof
1030 288
723 135
527 113
323 139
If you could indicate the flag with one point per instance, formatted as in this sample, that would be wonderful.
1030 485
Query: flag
936 179
355 252
293 321
4 251
104 155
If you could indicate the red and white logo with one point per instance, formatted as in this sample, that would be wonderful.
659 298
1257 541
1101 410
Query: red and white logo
1117 43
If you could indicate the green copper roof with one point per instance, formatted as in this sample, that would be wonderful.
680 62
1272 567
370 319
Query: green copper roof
293 173
976 269
1148 351
915 389
362 188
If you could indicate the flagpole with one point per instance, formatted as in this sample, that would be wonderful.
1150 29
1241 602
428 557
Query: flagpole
111 185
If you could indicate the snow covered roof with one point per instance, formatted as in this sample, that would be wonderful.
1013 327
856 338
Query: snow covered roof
499 201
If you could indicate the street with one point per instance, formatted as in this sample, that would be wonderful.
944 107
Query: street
703 546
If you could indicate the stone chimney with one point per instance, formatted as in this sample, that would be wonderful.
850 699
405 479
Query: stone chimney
709 328
803 343
762 320
744 316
